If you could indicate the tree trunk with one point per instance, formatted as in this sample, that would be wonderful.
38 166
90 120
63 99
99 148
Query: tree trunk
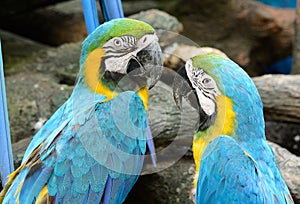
296 49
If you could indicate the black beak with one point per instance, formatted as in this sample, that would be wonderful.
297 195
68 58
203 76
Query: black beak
147 65
182 88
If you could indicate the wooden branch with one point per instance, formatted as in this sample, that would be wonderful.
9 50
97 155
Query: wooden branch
281 97
252 34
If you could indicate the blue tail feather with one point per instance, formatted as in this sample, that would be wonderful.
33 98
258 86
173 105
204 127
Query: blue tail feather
111 9
107 192
6 164
90 15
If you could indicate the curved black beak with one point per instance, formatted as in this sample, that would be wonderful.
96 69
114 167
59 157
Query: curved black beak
147 65
182 88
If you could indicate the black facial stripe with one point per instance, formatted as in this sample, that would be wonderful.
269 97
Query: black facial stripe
207 95
128 40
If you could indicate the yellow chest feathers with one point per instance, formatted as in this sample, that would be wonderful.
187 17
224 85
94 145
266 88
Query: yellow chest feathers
224 125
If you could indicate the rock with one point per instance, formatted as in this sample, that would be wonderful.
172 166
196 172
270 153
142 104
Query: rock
31 96
19 149
172 185
289 166
284 133
177 54
34 83
159 20
132 7
18 50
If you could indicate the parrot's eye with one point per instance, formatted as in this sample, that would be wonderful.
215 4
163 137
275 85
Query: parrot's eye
117 42
206 81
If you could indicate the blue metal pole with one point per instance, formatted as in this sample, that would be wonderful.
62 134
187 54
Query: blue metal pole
90 15
6 156
111 9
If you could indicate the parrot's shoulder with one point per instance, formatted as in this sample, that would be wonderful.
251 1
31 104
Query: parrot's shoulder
228 169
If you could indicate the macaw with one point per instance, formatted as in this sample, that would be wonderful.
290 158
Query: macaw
92 149
234 163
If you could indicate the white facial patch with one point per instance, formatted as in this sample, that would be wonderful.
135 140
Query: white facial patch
206 103
205 86
120 50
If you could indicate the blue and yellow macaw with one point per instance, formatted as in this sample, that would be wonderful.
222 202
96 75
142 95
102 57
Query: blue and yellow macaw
234 163
92 149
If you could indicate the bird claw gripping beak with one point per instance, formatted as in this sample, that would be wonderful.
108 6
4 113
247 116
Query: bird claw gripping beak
148 64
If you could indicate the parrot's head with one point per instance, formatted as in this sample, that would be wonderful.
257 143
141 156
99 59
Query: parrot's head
219 89
225 97
202 82
119 48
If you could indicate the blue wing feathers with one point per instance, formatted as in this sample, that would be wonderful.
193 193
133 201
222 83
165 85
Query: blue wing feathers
73 159
10 196
37 181
54 125
93 197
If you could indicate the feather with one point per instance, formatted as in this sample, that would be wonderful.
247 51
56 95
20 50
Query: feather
35 185
107 191
111 9
93 197
6 164
90 15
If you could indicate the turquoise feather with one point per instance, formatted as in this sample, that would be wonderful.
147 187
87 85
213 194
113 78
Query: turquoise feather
88 151
239 168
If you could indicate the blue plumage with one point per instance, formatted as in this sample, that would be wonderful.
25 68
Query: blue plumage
90 15
234 163
236 177
6 164
92 149
111 9
76 171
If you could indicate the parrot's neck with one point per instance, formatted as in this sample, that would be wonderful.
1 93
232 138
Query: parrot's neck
232 120
224 125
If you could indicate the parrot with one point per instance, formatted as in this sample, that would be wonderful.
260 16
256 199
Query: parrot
93 147
233 161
